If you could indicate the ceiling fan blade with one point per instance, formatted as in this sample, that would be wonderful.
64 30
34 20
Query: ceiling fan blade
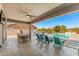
32 16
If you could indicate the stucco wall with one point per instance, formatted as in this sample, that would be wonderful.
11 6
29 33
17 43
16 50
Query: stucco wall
14 29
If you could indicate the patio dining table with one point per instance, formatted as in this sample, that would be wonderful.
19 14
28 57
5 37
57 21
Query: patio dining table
24 37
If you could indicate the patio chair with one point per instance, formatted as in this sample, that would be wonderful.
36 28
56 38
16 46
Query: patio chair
18 37
41 37
38 38
58 41
47 39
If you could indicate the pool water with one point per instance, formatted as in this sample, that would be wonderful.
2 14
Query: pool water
59 35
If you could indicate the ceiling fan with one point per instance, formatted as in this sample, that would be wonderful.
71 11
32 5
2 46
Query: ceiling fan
30 16
26 12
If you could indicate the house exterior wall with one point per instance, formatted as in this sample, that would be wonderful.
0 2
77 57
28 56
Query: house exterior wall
14 29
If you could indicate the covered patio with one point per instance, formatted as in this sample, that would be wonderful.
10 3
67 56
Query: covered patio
28 14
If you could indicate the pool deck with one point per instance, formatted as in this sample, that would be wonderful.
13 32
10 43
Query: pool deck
14 48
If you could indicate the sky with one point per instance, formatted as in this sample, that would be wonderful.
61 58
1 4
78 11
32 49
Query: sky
69 20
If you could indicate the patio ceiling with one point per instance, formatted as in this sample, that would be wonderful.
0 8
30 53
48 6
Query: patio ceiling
41 11
19 11
58 11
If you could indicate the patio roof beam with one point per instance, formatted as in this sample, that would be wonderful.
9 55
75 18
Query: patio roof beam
15 21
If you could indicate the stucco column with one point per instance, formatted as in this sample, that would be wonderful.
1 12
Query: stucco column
6 29
29 31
